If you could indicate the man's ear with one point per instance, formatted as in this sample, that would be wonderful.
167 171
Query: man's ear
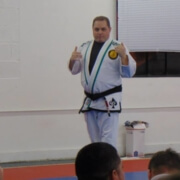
114 175
149 174
117 175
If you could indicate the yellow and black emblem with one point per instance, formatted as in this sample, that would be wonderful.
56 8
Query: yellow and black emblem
113 54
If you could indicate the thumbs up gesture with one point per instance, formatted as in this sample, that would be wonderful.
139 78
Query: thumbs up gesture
75 55
121 50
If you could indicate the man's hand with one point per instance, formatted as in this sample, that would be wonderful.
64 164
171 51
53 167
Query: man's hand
76 55
121 50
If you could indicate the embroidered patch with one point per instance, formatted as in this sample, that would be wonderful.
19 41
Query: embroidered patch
113 54
115 43
113 103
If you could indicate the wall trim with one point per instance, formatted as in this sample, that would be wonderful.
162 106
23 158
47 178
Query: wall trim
76 111
65 154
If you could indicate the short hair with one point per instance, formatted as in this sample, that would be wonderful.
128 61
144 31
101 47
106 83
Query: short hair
96 161
168 158
102 18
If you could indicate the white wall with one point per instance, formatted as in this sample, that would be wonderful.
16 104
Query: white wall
39 98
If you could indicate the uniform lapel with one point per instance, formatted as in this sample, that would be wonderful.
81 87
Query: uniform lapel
86 62
97 65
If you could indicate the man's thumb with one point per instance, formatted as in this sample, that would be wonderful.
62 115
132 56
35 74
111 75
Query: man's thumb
75 49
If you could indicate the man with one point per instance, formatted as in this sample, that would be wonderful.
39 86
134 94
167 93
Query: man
164 163
102 63
171 177
98 161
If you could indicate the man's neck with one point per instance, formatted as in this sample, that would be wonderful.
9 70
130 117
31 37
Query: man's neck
100 43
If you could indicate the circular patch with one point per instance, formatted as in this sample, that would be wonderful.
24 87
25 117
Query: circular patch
113 54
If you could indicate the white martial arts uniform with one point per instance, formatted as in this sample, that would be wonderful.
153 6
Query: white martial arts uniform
106 74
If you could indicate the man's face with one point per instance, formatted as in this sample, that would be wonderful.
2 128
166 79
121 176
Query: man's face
101 31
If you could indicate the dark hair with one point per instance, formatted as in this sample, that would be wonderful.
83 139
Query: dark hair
168 158
96 161
101 18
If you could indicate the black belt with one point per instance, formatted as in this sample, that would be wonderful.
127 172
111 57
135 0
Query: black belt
104 93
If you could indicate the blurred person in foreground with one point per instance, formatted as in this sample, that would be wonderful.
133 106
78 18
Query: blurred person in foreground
98 161
1 173
175 176
164 163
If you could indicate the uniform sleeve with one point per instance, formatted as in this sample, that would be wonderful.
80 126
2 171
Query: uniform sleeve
76 67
